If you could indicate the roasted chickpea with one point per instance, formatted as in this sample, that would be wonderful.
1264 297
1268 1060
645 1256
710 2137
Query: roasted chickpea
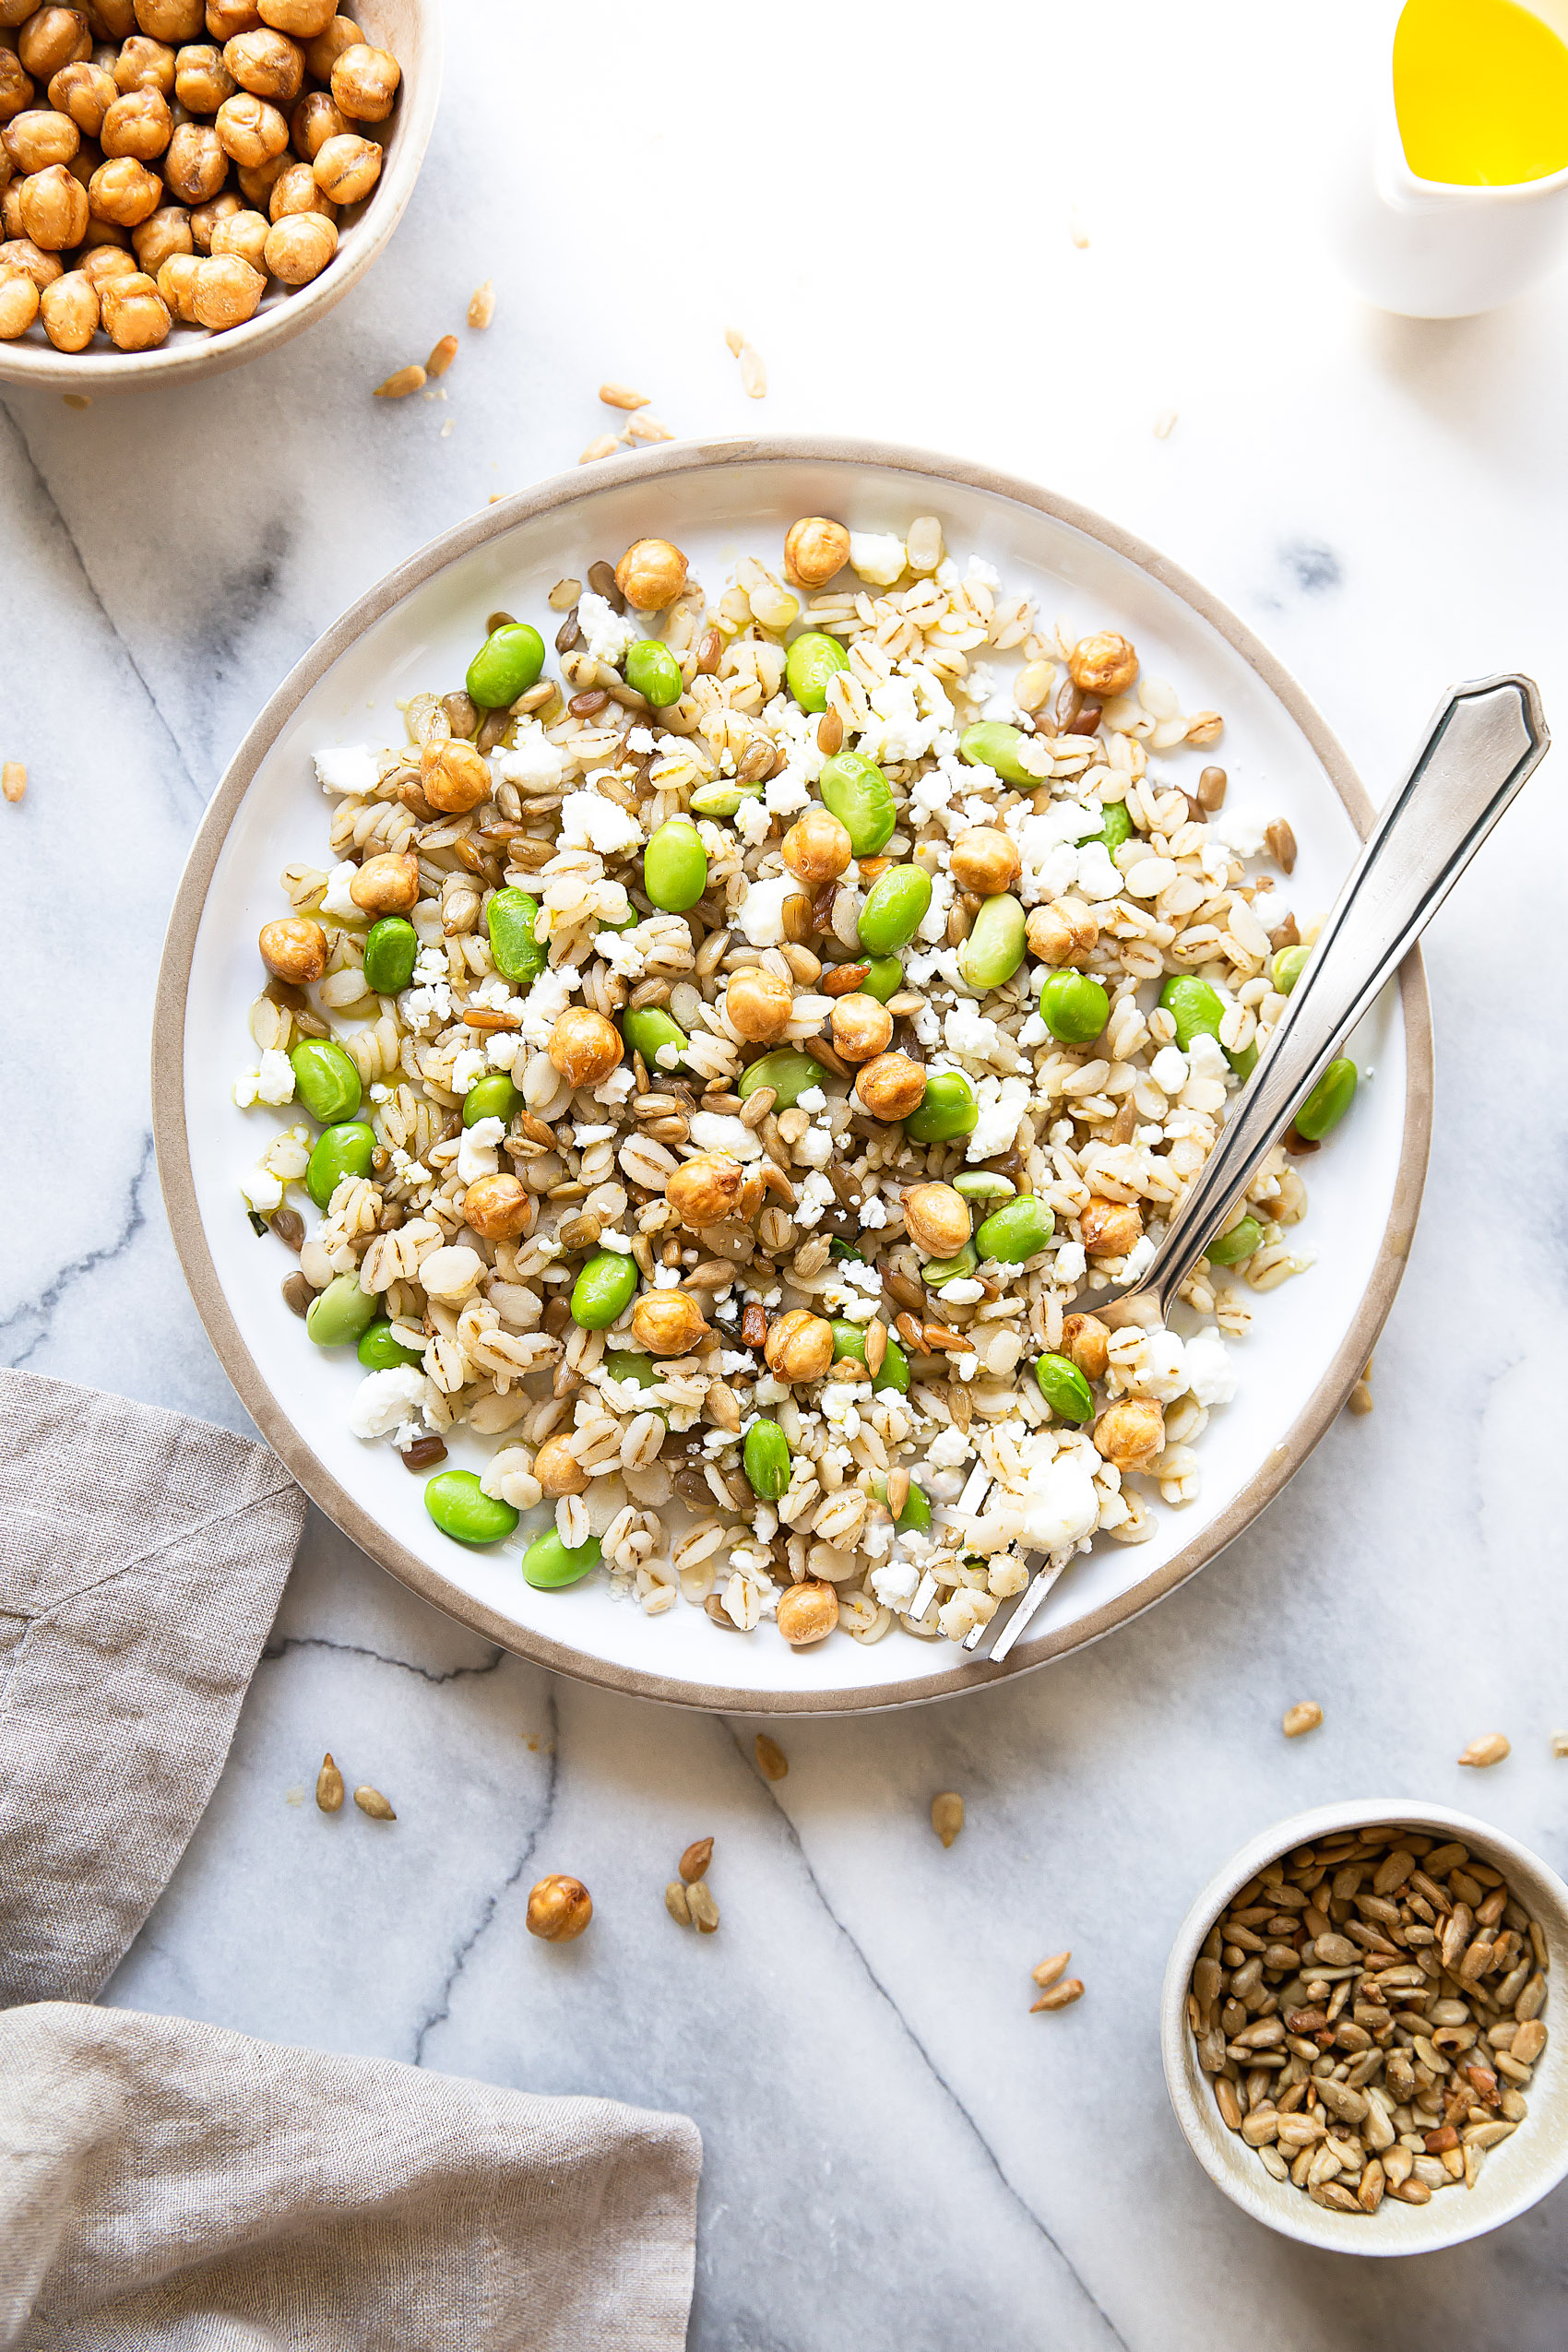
226 292
364 83
807 1614
257 181
799 1346
294 949
706 1190
1087 1342
303 19
145 64
176 283
195 165
69 308
584 1046
136 315
17 88
112 20
323 52
299 247
1064 932
861 1028
1102 665
172 21
226 18
85 93
52 38
251 130
139 123
651 574
499 1209
19 305
165 231
559 1909
454 778
1131 1433
244 233
125 191
54 206
315 121
20 253
892 1087
266 64
387 884
206 216
100 263
17 12
937 1219
558 1469
1110 1229
40 138
11 203
758 1004
817 847
202 81
347 167
984 861
668 1322
814 550
294 190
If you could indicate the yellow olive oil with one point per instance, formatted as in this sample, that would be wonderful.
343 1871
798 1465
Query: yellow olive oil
1481 89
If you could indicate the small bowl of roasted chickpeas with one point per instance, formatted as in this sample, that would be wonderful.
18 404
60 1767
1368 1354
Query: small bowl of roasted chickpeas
184 184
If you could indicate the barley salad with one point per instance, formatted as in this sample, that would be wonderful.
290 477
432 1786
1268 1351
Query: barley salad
736 1061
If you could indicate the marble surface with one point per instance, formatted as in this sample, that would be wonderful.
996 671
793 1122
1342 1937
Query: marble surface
892 2140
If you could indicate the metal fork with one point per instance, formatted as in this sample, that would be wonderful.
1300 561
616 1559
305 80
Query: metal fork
1485 740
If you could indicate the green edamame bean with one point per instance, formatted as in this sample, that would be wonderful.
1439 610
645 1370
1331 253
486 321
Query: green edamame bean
992 743
894 909
505 666
339 1151
1244 1063
1019 1230
492 1097
994 948
462 1509
1074 1007
893 1372
849 1340
675 866
983 1185
885 978
1230 1248
1064 1388
916 1513
340 1314
649 1030
1285 971
949 1110
858 793
1194 1007
1328 1101
379 1351
390 948
325 1079
1117 828
957 1268
624 1363
723 799
607 1283
789 1074
550 1564
654 672
766 1459
510 917
810 665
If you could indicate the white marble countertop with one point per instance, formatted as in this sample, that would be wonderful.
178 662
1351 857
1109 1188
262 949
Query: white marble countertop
892 2140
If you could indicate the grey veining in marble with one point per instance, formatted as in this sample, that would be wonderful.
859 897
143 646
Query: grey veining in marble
897 2151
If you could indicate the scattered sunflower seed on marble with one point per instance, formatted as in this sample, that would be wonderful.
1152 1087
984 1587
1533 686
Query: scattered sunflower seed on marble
370 1800
1305 1716
947 1815
328 1786
1368 2009
1058 1990
772 1763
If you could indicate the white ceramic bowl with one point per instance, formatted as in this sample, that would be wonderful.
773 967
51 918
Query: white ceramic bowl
411 29
417 630
1516 2174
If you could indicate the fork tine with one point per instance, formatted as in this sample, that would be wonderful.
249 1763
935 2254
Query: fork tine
1027 1602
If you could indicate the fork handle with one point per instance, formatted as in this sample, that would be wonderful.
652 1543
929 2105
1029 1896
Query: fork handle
1486 739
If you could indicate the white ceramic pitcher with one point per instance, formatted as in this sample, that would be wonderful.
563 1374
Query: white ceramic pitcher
1430 248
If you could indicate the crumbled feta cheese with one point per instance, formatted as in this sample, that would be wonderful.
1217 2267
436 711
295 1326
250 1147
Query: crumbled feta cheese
244 1086
589 821
761 916
617 1241
263 1191
1211 1375
1071 1262
948 1448
872 1213
910 710
476 1149
582 1136
1244 834
608 635
1205 1058
386 1398
816 1195
877 556
1168 1069
714 1130
894 1586
1155 1366
544 1005
967 1030
753 822
1061 1503
962 1293
614 1090
1002 1102
977 568
533 758
275 1079
640 741
1097 878
348 767
468 1068
334 900
1139 1258
816 1148
812 1099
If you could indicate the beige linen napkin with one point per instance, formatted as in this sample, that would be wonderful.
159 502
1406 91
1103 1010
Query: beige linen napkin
170 2187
